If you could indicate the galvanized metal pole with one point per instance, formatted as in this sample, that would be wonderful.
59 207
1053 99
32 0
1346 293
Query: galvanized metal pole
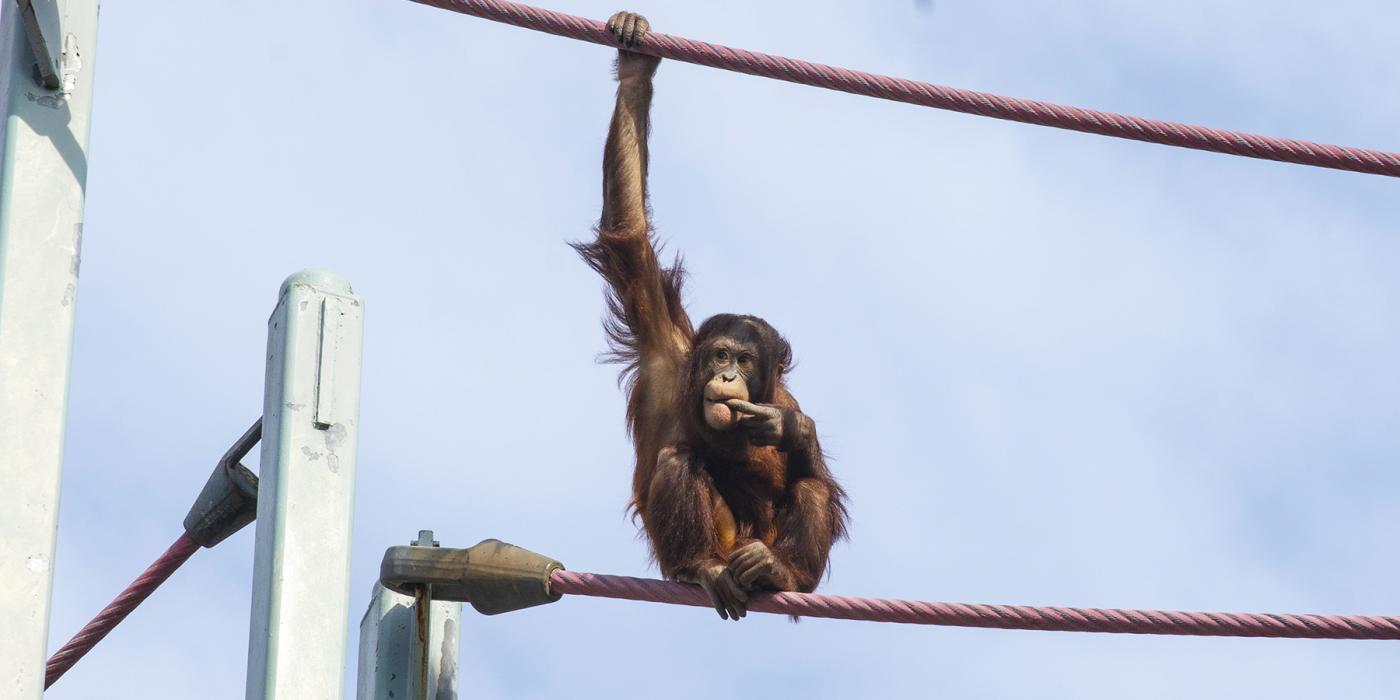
45 135
408 650
306 491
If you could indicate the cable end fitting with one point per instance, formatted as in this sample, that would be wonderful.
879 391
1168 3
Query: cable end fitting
493 576
229 500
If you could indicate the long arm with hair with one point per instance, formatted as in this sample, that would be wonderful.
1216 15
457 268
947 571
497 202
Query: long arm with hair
647 326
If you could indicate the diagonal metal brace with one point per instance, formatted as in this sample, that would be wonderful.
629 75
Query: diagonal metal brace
493 576
229 500
41 24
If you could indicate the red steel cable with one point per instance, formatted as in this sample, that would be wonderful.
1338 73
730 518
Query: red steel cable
1024 617
1362 160
118 609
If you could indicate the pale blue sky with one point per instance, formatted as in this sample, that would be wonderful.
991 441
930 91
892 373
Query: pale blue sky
1051 368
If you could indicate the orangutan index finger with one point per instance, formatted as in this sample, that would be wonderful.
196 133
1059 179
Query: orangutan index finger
752 409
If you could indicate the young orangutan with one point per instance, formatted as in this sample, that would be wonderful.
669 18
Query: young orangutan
730 482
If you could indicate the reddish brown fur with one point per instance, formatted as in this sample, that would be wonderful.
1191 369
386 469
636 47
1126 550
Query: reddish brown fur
700 493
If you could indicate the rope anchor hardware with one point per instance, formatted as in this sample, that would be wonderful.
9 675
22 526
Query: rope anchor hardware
229 500
493 576
227 503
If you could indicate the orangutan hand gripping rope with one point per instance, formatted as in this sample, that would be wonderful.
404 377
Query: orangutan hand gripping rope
730 481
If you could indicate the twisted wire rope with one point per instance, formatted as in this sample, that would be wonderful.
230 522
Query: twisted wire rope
118 609
1023 617
1362 160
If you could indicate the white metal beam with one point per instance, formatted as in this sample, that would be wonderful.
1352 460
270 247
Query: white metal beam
45 136
301 566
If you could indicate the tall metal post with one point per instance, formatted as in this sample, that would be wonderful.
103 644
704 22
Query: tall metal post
408 645
301 563
47 103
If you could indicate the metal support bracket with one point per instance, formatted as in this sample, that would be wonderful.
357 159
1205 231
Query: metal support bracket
493 576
